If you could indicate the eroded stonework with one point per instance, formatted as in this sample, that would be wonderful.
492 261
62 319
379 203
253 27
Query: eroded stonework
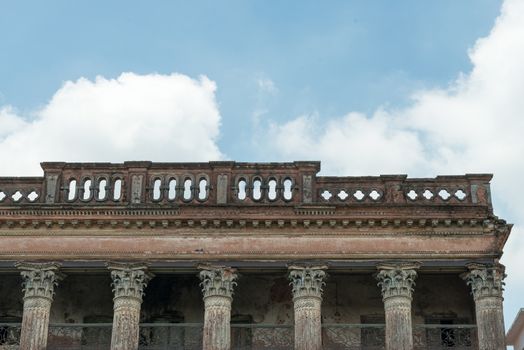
485 281
397 279
129 280
307 280
217 281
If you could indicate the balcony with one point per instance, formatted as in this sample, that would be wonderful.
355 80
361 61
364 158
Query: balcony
188 336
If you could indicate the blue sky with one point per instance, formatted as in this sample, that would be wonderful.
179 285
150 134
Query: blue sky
322 57
416 87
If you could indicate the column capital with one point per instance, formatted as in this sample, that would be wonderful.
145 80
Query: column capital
485 280
129 279
217 280
39 279
397 279
307 281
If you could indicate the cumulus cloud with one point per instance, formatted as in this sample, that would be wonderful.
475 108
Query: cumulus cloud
474 125
352 144
133 117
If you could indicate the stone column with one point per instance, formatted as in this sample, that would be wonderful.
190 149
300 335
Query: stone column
307 283
397 281
39 282
487 286
217 287
129 281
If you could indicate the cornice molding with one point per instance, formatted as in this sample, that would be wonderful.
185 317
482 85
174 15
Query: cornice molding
487 225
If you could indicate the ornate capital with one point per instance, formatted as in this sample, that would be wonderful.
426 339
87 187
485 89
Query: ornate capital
217 280
39 279
129 280
485 280
397 279
307 280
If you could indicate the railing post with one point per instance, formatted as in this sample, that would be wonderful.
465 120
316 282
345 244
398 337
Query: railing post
129 282
138 181
396 282
217 287
393 185
307 282
487 286
221 180
39 282
52 181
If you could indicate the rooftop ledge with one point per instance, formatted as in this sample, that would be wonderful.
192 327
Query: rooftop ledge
296 183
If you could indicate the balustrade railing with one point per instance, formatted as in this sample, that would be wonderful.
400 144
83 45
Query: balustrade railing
261 337
232 183
188 336
438 336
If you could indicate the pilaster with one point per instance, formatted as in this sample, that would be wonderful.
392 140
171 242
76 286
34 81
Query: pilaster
39 282
129 282
486 282
217 285
396 281
307 283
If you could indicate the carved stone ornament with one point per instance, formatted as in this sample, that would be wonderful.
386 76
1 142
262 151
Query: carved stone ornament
397 279
217 280
39 279
307 281
485 280
129 280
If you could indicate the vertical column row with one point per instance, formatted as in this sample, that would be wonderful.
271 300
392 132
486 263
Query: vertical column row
396 281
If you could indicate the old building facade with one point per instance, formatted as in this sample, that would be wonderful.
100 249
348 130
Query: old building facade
227 255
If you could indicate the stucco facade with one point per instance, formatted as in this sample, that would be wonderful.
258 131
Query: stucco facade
226 255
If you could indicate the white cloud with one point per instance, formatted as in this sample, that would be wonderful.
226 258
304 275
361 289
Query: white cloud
133 117
352 144
474 125
9 122
267 85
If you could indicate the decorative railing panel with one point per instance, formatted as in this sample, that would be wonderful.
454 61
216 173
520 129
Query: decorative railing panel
435 337
88 336
9 336
353 336
155 336
261 337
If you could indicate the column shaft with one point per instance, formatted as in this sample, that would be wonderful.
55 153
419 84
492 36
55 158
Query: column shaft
397 281
307 282
129 281
308 326
39 281
399 334
217 320
35 323
126 317
490 323
217 288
